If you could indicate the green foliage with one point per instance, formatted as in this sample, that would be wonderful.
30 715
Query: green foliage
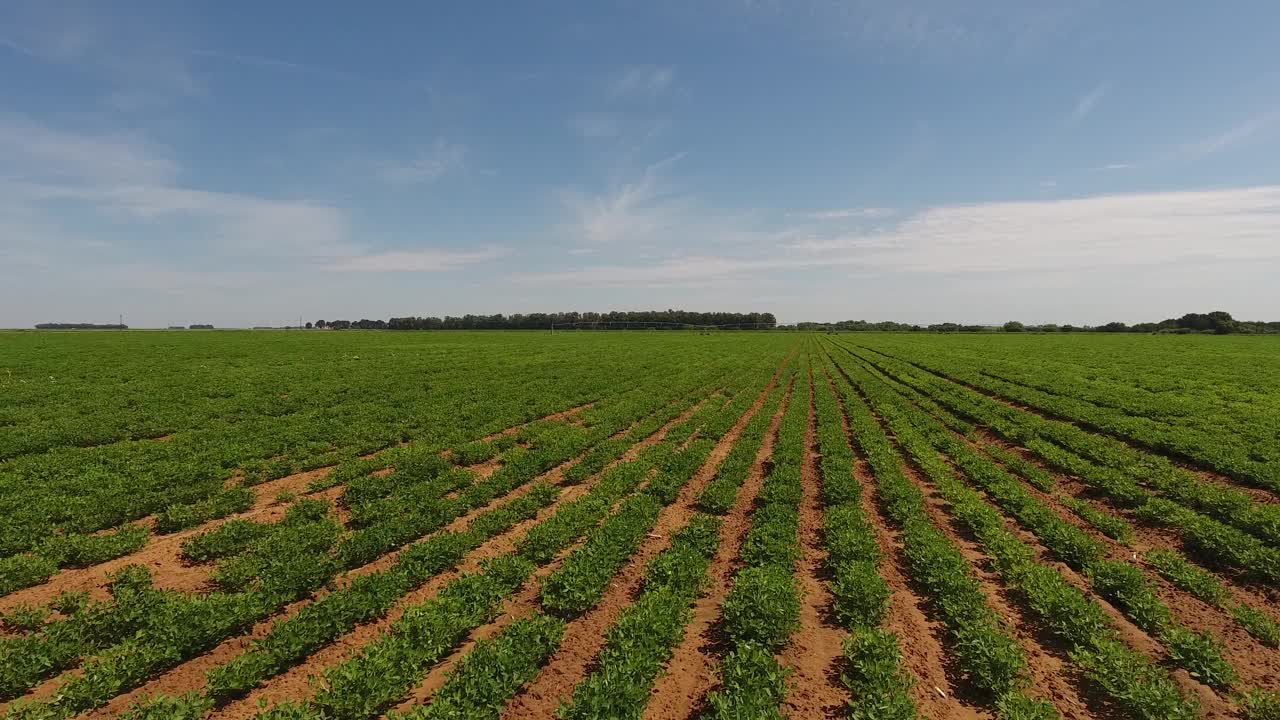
753 685
25 617
493 671
190 706
874 676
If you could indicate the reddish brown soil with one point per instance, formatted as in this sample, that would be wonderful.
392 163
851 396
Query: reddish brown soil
295 683
585 636
691 672
161 551
1257 665
814 654
918 635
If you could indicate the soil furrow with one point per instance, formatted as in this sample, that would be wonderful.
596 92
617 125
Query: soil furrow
691 672
585 636
814 653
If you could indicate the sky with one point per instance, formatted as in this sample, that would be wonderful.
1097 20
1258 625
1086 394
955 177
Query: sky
236 163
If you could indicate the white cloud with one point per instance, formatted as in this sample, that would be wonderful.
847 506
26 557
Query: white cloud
1117 166
427 165
642 82
867 213
429 260
35 152
1086 104
1231 137
629 212
1074 235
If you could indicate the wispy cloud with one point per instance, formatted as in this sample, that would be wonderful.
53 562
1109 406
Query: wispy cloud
431 163
37 152
429 260
629 211
642 82
866 213
1113 231
1116 166
1087 103
1234 136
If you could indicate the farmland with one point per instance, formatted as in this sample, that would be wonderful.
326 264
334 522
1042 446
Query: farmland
656 525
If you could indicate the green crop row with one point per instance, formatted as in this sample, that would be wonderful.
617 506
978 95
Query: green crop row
878 685
642 640
1144 689
718 496
1122 583
207 620
982 645
385 669
582 578
1206 587
491 673
1205 535
501 483
26 660
1194 435
762 608
68 551
367 598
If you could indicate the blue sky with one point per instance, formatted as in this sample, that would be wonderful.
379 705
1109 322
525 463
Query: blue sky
920 160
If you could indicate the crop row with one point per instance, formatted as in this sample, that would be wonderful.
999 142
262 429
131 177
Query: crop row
494 670
1205 444
762 608
387 668
1120 582
719 495
1057 444
878 684
1221 502
295 572
984 646
641 641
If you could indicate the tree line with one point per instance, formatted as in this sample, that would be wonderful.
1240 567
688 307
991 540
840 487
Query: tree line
1217 322
617 320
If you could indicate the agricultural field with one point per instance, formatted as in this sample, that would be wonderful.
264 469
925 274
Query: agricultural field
645 525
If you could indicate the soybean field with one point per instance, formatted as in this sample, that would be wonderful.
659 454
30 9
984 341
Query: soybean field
347 525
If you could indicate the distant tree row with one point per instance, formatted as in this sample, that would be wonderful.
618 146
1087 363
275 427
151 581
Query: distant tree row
79 326
660 319
1217 322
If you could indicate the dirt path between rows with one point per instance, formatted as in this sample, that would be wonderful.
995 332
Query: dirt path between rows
162 552
691 672
294 683
816 649
585 636
919 636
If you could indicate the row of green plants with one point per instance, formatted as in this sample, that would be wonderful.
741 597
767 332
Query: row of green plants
485 679
1224 503
1175 568
68 551
642 640
387 668
1120 582
992 659
1110 525
718 496
87 626
371 596
1199 440
1203 535
762 608
244 407
233 612
879 686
